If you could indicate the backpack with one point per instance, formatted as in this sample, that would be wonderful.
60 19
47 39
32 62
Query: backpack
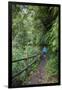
44 50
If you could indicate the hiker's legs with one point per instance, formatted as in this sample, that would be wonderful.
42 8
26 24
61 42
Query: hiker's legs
44 56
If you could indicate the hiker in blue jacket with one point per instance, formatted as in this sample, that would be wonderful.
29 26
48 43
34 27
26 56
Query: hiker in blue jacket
44 52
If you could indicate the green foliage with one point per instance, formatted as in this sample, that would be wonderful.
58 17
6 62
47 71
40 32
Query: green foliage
52 68
32 27
52 39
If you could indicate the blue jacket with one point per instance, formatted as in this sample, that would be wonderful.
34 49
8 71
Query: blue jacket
44 50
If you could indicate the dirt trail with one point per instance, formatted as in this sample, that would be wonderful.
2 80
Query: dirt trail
38 76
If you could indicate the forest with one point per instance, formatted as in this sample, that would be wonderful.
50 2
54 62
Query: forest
34 26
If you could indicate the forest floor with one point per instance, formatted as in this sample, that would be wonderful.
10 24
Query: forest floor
37 77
